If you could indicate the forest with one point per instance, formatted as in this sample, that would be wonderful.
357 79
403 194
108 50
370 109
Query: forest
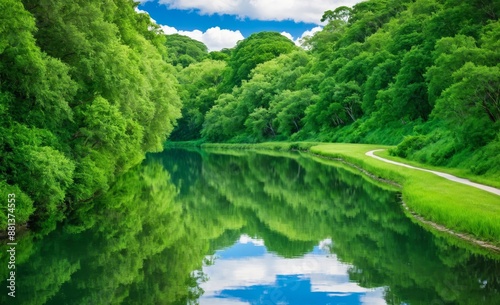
87 88
423 75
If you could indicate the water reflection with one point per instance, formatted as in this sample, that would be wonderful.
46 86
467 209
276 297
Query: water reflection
246 228
132 248
246 273
292 203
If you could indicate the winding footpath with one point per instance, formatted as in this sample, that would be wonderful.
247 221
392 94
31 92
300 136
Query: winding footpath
441 174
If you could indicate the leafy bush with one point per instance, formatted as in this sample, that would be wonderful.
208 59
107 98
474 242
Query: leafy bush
409 145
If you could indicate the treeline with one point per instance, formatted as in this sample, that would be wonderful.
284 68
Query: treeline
86 89
423 73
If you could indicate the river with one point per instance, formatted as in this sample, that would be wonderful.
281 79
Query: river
241 227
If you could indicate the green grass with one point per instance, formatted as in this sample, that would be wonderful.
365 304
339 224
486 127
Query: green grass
183 144
459 172
278 146
456 206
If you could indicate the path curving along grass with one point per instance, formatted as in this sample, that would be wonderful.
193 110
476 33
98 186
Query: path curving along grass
450 177
458 207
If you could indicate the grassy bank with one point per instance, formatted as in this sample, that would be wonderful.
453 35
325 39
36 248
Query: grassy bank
456 206
459 172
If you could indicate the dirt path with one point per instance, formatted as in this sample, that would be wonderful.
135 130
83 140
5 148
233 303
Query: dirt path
444 175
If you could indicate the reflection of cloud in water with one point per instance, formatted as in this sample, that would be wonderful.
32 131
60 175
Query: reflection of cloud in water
325 244
374 297
245 239
321 278
214 301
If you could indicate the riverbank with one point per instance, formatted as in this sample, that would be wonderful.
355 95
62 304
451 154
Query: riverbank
459 208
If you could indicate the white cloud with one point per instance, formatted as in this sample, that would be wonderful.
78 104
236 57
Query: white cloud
214 38
138 10
307 33
296 10
287 35
168 30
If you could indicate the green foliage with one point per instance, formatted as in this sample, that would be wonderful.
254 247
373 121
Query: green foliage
86 90
274 96
184 51
409 145
376 73
473 103
23 204
256 49
54 174
198 84
342 12
220 121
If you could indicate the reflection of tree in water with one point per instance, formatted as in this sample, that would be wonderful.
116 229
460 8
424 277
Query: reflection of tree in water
138 250
144 238
292 203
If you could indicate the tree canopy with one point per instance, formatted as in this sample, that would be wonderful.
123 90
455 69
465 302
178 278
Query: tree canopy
378 72
86 90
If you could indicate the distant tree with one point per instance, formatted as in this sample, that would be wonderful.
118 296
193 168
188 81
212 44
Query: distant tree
340 13
198 84
184 50
256 49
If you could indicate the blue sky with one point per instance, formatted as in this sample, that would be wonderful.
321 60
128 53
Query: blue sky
221 23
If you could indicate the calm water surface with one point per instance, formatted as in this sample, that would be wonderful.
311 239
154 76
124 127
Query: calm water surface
238 227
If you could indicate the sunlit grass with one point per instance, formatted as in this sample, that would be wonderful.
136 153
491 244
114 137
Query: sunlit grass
456 206
459 172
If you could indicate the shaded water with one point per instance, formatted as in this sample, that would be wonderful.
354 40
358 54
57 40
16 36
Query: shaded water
247 228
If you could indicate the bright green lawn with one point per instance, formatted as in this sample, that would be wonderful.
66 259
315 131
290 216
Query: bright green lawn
462 173
458 207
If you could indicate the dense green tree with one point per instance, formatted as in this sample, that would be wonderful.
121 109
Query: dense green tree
198 84
251 110
340 13
473 103
220 122
250 52
260 124
184 51
86 90
379 80
376 72
290 107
